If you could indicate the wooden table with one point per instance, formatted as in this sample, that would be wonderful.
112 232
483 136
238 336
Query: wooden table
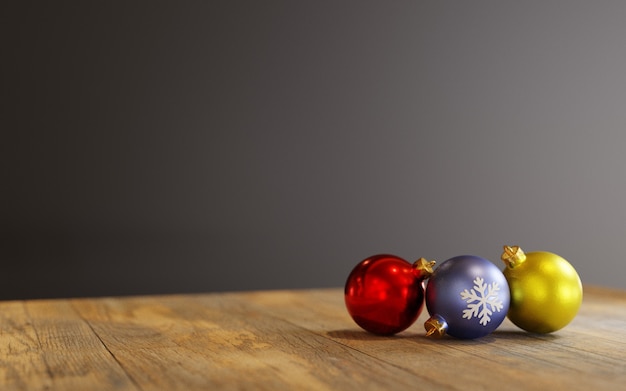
291 340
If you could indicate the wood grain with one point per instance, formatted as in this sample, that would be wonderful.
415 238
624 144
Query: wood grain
286 340
46 345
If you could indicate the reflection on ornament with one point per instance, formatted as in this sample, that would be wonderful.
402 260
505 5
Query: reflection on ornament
546 291
384 293
467 297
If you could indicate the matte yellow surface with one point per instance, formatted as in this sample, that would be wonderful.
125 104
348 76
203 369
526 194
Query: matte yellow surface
546 292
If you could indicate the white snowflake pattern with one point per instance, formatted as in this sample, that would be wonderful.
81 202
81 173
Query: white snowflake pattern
481 302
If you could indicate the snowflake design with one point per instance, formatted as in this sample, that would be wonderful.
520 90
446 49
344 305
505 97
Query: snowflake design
481 301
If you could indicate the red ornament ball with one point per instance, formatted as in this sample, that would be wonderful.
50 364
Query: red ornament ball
384 293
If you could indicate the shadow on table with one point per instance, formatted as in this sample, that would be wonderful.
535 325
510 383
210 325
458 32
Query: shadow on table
498 335
521 335
362 335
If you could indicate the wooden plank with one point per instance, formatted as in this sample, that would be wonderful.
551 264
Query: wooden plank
206 342
45 345
22 366
290 340
510 356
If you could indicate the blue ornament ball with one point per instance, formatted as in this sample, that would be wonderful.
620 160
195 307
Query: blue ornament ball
467 297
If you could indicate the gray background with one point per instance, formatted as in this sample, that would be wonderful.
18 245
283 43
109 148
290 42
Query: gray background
231 145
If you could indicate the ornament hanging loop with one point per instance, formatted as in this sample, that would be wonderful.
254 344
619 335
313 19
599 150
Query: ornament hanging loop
513 256
435 326
424 267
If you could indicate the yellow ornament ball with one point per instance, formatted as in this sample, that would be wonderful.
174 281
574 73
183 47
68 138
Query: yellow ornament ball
546 291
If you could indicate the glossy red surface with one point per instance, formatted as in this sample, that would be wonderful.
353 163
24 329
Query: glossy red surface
384 294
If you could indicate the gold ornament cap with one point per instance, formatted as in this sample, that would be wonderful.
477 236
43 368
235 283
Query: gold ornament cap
513 256
435 326
424 267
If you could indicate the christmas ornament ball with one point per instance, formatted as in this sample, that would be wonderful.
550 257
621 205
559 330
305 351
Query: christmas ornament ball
546 291
384 293
467 297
